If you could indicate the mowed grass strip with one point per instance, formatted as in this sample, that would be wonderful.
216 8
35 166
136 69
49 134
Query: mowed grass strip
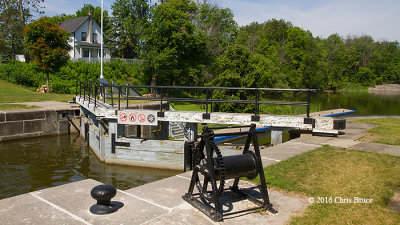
388 131
339 173
12 93
16 106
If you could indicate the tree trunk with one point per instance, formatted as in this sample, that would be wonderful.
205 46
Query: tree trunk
22 17
48 86
153 82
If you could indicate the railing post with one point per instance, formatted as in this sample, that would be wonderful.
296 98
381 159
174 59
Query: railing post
127 100
119 97
161 100
76 88
308 103
207 101
256 117
95 95
211 103
112 96
80 90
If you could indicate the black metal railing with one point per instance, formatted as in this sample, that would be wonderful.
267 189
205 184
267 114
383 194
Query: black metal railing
111 94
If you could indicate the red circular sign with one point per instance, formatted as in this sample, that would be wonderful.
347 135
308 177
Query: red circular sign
142 118
132 117
123 117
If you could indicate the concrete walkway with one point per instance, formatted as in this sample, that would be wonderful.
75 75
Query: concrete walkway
53 105
160 202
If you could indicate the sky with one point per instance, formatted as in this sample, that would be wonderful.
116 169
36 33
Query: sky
377 18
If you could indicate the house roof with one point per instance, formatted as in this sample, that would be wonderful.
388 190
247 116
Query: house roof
72 25
84 43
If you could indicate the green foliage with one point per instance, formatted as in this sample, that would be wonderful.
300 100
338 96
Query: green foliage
64 80
175 51
11 34
47 44
130 21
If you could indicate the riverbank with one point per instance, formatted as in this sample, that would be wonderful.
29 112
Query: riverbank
160 202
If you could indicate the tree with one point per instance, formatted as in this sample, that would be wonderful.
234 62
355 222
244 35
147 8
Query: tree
129 23
175 51
25 7
219 25
47 44
11 35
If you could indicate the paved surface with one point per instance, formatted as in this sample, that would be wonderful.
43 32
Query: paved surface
52 105
160 202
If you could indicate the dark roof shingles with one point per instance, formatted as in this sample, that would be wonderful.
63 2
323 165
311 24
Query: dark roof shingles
72 25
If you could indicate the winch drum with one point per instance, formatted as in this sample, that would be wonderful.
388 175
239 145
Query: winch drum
237 166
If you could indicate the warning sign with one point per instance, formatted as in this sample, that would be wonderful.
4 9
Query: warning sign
132 117
137 117
123 117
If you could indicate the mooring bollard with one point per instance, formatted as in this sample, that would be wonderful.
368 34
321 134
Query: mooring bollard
103 194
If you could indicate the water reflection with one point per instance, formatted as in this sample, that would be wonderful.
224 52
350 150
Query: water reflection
33 164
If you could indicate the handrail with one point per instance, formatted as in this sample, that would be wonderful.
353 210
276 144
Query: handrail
107 90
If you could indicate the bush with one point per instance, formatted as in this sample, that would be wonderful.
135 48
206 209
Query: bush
64 81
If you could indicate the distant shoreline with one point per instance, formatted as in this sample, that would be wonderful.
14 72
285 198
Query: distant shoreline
385 88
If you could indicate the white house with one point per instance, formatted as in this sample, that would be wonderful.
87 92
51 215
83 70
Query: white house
85 39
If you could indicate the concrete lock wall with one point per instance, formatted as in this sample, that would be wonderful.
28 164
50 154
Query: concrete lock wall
18 124
146 148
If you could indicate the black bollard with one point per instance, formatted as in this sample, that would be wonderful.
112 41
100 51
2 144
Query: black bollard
103 194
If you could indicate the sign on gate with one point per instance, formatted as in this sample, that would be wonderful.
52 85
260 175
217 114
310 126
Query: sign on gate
137 117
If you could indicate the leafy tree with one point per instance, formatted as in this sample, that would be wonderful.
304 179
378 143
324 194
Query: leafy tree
11 35
219 25
335 61
47 44
62 17
25 7
238 67
175 51
249 36
129 23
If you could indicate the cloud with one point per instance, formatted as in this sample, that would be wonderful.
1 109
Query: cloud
376 18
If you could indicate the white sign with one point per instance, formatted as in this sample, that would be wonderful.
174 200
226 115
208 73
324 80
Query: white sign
137 117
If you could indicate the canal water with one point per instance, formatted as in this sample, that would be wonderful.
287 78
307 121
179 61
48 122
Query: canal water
36 163
366 104
33 164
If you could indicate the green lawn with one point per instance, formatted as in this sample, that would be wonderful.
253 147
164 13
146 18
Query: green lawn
330 173
12 93
334 172
388 131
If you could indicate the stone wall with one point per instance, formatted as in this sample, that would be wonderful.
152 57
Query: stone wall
18 124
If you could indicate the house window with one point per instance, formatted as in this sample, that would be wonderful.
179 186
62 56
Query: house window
83 37
94 38
85 52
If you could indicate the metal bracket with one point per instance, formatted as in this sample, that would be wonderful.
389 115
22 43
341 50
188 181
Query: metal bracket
255 118
116 143
160 114
206 116
309 121
339 124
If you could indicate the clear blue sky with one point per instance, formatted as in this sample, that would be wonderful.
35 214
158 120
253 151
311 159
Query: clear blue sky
380 19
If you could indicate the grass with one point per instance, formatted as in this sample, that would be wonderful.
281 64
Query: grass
354 88
388 131
265 109
15 106
187 106
334 172
12 93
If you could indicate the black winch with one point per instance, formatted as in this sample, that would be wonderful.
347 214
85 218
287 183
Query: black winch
210 167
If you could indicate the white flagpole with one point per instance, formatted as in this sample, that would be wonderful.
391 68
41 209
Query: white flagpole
101 44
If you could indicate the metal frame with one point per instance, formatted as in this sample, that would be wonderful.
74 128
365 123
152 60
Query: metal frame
216 212
94 91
